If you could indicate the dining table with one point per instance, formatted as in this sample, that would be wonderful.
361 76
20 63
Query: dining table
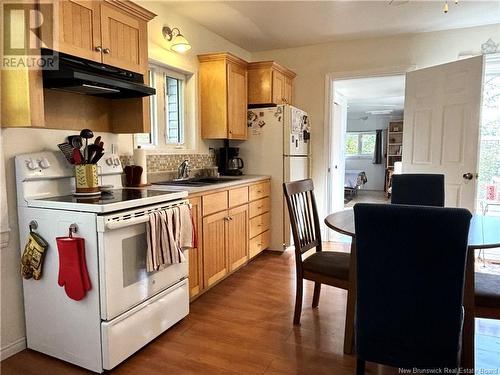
484 233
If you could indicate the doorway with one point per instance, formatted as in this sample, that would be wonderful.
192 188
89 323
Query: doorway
371 136
488 181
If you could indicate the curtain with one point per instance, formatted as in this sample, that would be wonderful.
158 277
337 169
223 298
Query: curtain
377 153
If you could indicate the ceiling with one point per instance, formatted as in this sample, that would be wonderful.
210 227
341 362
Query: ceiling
264 25
373 94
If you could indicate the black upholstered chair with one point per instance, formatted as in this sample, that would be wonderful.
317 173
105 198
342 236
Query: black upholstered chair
418 189
487 295
322 267
410 282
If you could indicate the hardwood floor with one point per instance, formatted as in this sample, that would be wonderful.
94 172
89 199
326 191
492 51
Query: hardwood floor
241 326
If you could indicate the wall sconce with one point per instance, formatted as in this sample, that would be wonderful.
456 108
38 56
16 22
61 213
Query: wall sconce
179 43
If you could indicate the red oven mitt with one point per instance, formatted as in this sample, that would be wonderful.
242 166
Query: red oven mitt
83 264
73 274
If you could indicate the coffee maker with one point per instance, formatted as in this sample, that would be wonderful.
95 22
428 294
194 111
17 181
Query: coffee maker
228 162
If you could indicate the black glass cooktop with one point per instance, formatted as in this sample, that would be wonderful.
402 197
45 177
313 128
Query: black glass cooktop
111 196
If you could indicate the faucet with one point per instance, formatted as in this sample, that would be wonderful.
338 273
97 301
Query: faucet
183 170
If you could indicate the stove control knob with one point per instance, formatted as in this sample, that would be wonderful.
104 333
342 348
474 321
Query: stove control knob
44 163
109 161
116 162
31 164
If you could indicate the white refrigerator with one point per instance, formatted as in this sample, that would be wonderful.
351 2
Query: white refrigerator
278 145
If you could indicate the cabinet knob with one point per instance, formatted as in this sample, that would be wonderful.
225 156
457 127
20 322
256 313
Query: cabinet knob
98 48
106 50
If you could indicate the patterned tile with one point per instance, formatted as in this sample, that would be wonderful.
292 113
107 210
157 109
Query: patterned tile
170 162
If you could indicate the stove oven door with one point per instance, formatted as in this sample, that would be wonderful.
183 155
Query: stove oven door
124 281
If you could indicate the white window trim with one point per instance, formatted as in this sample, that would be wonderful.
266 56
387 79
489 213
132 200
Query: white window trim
189 99
153 111
181 78
360 134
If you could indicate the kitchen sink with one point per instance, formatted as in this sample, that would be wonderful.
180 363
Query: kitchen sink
197 181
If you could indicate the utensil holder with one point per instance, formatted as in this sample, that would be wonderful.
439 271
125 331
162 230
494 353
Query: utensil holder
86 178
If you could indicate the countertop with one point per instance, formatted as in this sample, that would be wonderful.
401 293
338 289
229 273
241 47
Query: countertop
231 181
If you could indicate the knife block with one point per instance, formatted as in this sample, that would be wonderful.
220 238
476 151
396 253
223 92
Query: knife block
86 178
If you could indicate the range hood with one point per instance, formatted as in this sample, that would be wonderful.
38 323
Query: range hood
81 76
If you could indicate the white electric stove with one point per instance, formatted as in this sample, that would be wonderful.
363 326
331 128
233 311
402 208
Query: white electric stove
127 307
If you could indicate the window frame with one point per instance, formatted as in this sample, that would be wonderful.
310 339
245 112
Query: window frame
359 135
159 134
153 115
180 107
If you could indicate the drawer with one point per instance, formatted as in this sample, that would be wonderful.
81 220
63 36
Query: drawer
259 224
129 332
257 208
258 243
238 196
260 190
214 202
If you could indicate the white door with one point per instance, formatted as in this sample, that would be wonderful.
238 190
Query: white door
337 155
441 126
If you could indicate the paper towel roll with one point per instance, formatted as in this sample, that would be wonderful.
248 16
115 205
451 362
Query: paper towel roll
140 159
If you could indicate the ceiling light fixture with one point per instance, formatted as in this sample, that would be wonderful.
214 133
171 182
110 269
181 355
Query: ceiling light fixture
179 42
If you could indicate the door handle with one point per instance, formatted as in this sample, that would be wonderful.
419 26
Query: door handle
98 48
106 50
468 176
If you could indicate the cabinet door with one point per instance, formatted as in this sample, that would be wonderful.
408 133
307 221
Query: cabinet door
214 247
195 258
80 29
260 86
237 244
278 87
124 40
288 96
237 101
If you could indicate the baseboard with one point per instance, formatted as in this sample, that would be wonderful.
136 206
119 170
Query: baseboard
13 348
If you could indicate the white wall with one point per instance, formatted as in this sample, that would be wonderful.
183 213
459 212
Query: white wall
375 173
313 63
19 141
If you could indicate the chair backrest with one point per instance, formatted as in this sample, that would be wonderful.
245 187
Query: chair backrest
410 279
303 214
418 189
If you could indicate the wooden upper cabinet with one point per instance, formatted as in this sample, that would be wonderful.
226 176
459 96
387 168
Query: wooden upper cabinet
113 32
278 87
80 29
237 101
124 40
223 96
269 83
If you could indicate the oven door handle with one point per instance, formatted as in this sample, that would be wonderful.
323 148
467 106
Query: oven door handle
127 222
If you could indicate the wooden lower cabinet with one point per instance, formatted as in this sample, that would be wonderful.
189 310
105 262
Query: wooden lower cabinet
195 261
215 265
237 233
232 227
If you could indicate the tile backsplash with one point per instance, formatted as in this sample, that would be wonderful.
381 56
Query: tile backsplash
170 162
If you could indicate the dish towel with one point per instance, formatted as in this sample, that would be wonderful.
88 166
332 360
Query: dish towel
168 232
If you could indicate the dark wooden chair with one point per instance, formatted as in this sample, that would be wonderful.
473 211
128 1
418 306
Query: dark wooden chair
410 283
487 295
322 267
418 189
